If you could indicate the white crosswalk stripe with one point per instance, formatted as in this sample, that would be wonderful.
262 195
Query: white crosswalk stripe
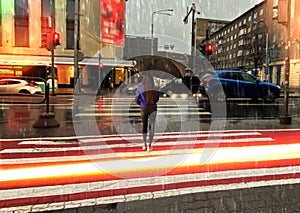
99 169
166 107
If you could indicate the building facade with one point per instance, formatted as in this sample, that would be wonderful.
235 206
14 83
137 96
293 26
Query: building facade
23 31
256 42
206 27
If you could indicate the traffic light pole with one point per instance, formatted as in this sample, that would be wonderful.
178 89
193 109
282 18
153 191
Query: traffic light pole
52 70
76 26
286 119
193 40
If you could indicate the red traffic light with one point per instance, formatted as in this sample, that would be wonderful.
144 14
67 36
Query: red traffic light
100 65
56 38
209 47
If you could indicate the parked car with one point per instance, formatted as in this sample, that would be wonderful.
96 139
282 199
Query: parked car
222 84
15 86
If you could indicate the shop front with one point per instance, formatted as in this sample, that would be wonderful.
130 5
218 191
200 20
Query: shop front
91 73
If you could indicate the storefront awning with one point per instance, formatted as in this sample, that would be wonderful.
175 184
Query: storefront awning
46 61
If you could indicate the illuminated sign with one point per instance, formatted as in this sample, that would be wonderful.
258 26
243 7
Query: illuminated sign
112 22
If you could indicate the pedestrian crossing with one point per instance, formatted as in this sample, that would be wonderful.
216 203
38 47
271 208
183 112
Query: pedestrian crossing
173 109
40 174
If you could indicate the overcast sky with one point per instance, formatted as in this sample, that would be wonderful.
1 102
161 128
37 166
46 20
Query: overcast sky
171 29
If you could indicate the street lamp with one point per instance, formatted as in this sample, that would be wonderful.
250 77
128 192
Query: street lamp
267 46
160 12
193 39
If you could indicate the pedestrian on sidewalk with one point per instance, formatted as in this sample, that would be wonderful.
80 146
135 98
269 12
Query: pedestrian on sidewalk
147 97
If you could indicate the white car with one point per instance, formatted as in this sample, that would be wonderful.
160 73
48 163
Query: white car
15 86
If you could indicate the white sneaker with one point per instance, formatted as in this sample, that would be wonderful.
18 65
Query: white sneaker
144 147
149 148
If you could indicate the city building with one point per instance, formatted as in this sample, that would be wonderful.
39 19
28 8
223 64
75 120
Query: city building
256 41
24 33
206 27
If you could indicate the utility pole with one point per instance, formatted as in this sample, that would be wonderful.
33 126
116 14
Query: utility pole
193 40
286 119
76 27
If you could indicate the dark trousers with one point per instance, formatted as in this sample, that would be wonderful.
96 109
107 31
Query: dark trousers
148 115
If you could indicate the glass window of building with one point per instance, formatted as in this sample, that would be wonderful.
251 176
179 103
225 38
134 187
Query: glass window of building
261 12
241 42
21 19
70 23
255 15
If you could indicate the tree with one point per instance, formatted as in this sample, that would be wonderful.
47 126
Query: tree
255 48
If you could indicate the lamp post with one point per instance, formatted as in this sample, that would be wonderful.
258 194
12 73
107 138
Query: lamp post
193 39
166 12
267 47
76 35
286 118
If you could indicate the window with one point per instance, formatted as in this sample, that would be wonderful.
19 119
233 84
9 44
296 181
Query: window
12 82
241 42
70 22
255 15
248 77
21 23
242 31
239 53
261 12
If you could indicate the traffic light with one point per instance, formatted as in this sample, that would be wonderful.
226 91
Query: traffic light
202 51
100 65
53 39
56 39
209 49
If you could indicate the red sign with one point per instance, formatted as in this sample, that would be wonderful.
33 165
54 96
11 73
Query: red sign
112 22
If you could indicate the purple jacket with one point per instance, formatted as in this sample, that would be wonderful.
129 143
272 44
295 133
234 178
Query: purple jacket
140 99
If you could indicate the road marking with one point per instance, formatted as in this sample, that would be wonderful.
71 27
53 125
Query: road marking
128 114
66 184
131 145
140 182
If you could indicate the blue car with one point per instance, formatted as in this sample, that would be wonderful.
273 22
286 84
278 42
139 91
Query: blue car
221 84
